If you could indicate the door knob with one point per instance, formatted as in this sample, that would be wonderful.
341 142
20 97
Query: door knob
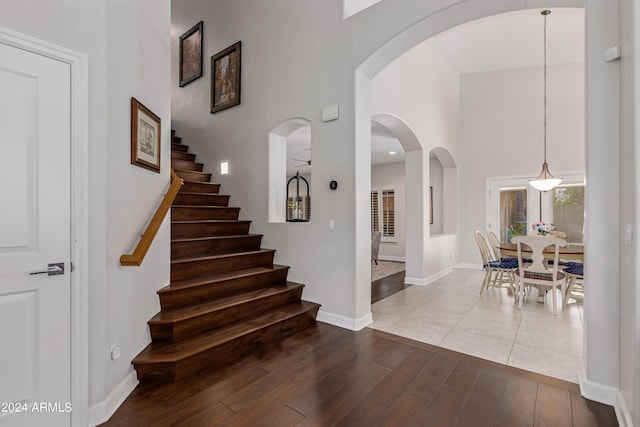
55 269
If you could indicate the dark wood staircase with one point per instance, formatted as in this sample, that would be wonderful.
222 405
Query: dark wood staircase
226 298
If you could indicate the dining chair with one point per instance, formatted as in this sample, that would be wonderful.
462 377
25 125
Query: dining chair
497 273
495 244
574 272
537 273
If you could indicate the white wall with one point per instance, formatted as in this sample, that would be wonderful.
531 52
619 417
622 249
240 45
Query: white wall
629 369
392 176
128 48
422 88
502 134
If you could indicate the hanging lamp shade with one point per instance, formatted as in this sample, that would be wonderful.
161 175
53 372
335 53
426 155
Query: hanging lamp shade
545 181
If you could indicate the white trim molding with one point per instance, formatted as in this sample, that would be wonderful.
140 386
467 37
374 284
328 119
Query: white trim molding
596 391
427 280
622 412
102 411
391 258
345 322
78 63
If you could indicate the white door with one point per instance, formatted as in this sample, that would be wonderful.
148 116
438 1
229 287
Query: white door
35 355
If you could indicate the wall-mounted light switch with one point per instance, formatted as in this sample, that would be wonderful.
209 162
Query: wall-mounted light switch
332 225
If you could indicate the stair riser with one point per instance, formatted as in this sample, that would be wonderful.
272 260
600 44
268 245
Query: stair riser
215 246
194 176
181 330
179 147
176 139
179 155
192 214
227 353
198 187
206 292
191 269
186 231
201 199
186 165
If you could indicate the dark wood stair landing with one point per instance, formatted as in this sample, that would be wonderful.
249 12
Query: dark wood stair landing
226 298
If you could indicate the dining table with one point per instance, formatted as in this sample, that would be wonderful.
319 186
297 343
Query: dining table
571 252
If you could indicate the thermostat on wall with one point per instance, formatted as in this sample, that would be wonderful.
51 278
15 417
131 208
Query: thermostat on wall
330 113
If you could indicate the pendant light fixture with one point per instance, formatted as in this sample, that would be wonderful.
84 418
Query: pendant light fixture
545 181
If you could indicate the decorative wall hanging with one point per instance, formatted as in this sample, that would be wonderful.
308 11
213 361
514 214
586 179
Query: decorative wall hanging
298 206
191 54
225 78
145 137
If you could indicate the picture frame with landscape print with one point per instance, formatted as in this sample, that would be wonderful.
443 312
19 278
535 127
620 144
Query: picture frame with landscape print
145 137
191 54
225 78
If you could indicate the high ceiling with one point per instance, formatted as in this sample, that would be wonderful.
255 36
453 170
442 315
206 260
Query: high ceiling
506 41
500 42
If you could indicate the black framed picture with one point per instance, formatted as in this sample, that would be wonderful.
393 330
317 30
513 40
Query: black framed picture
225 78
191 54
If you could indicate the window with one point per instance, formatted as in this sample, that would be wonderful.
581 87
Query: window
375 218
568 211
512 206
513 213
383 213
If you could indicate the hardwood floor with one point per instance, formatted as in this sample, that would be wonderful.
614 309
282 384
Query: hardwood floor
328 376
387 286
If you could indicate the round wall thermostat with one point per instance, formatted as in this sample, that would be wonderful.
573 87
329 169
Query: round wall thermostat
333 185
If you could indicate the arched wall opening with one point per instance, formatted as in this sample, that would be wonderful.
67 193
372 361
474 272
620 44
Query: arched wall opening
415 193
600 377
281 142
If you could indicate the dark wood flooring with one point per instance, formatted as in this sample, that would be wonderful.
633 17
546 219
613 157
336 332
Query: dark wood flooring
328 376
382 288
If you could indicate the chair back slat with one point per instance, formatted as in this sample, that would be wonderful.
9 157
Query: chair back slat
537 244
495 244
484 248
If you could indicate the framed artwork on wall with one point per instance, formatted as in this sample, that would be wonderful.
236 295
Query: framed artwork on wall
145 137
225 78
191 54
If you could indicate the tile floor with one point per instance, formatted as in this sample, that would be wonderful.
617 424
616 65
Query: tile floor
451 313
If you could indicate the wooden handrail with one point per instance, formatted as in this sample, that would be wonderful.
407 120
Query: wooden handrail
135 259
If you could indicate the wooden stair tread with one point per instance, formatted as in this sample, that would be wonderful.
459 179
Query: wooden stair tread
196 221
203 207
201 239
174 352
194 193
187 312
177 285
216 257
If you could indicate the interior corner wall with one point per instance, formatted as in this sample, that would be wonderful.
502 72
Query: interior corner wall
392 176
127 44
502 134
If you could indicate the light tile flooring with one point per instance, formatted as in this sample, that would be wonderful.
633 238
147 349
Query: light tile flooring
451 313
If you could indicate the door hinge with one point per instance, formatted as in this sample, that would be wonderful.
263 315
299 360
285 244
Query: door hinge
73 267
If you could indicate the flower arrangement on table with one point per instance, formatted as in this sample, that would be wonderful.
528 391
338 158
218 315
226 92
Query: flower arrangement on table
544 228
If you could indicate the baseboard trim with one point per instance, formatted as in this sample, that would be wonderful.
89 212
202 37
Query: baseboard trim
596 391
102 411
391 258
345 322
622 412
468 266
427 280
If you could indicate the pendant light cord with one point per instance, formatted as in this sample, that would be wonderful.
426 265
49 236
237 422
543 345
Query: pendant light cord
545 13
